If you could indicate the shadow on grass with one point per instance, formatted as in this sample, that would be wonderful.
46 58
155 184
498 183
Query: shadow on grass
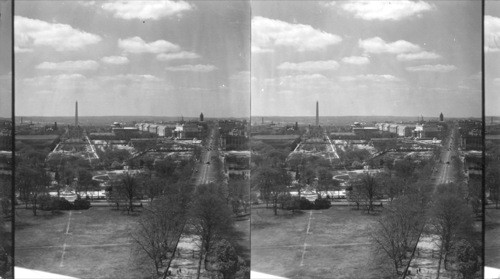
23 225
264 217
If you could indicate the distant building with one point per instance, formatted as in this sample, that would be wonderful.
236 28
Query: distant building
201 117
405 130
165 130
188 131
427 131
441 117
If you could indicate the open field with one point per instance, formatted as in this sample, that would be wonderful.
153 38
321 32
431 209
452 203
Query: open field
492 241
332 243
92 243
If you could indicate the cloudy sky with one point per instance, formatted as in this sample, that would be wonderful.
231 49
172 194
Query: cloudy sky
160 58
492 58
404 58
5 58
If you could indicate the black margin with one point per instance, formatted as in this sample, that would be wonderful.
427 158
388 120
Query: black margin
13 134
483 163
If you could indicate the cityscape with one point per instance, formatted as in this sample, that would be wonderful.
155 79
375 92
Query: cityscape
250 139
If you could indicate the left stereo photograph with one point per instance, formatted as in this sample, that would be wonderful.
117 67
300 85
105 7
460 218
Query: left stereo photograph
131 142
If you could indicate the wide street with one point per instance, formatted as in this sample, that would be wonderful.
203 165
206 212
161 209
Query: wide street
205 169
445 168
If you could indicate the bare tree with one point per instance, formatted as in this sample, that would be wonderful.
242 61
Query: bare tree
451 221
211 219
128 188
399 230
366 189
159 230
32 183
272 183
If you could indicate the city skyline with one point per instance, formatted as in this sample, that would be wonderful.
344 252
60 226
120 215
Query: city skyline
363 62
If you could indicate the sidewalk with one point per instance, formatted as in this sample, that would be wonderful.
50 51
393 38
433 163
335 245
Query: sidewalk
426 260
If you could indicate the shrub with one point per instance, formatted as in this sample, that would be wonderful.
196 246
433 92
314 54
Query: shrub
80 204
60 204
322 204
305 204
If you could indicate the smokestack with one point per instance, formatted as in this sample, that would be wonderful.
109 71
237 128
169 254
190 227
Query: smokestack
76 114
317 113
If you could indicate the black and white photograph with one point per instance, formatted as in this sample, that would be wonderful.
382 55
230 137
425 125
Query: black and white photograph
266 139
132 139
366 139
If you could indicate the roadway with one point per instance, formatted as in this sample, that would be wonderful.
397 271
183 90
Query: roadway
444 174
206 172
445 168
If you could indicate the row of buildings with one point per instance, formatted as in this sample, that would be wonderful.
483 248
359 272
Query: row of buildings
426 130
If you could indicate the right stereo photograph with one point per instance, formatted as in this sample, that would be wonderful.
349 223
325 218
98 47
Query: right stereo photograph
367 140
492 138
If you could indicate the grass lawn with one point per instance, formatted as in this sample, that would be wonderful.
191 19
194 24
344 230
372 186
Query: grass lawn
97 244
338 244
492 241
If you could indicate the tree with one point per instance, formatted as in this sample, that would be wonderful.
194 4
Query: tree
306 177
31 184
128 188
367 189
272 183
84 180
326 181
391 185
159 230
226 260
404 169
467 259
354 194
451 221
399 230
153 186
211 219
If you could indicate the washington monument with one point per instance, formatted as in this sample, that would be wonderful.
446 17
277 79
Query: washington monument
317 114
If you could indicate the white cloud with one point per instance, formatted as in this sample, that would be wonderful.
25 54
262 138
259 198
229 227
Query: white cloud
22 50
269 33
116 60
130 77
378 45
146 9
386 10
432 68
370 78
87 3
177 55
356 60
491 34
33 32
423 55
192 68
79 65
138 45
310 66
